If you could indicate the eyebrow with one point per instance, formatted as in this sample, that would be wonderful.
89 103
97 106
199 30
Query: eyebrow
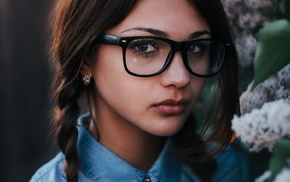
200 33
163 34
150 30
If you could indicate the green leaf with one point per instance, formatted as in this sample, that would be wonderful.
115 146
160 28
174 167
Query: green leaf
273 50
279 158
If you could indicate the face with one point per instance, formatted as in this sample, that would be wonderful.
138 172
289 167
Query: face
157 105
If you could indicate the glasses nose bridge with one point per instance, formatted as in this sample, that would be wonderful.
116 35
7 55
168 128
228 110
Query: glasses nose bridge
178 47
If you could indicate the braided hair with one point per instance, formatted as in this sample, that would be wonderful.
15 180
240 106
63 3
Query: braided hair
76 24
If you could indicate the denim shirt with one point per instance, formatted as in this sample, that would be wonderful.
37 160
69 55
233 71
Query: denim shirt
99 164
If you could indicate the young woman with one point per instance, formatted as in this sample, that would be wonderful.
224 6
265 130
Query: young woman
142 65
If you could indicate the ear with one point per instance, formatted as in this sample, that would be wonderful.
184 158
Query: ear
86 69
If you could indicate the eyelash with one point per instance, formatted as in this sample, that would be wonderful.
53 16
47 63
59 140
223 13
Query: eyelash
203 47
134 48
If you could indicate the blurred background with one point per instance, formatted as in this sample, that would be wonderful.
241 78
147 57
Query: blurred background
25 139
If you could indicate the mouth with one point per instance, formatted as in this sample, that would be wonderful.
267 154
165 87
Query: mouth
172 106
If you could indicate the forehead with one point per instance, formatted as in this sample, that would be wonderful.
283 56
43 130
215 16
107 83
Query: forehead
178 18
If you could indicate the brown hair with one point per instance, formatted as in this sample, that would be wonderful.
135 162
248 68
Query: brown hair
225 102
77 24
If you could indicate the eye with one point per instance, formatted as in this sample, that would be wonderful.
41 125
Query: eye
194 49
144 47
198 47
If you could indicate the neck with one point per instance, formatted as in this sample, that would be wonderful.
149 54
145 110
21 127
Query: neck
130 143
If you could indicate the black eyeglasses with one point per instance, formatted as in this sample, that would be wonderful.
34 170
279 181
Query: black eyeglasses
146 56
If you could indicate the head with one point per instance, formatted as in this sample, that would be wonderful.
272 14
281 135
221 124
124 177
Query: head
79 48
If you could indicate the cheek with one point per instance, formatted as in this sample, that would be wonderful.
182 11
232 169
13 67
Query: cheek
113 84
109 75
115 93
120 99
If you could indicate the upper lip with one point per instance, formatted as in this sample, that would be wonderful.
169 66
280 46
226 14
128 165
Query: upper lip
172 102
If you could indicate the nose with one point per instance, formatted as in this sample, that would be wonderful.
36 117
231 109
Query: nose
176 74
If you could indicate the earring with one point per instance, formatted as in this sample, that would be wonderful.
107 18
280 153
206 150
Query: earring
86 79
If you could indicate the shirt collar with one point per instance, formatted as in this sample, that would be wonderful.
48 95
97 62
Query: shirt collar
98 162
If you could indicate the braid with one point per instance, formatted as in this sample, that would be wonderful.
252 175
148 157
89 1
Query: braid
67 55
67 112
75 27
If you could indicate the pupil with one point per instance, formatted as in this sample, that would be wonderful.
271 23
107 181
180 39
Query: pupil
142 47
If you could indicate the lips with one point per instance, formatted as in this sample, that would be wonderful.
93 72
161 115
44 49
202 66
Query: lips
171 106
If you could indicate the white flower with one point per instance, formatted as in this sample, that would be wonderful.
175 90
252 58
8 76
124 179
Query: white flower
283 176
262 128
263 177
274 88
258 4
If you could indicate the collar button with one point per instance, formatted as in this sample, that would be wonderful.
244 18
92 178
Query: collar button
146 179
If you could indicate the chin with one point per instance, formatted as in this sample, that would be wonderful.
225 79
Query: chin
166 131
169 127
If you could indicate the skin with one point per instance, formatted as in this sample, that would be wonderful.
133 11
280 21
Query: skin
128 116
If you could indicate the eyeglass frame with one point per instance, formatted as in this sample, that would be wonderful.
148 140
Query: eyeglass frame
176 46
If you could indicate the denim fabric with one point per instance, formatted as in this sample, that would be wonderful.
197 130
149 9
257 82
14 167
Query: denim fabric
232 166
99 164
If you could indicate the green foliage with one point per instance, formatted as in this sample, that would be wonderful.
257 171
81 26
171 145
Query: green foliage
279 158
273 50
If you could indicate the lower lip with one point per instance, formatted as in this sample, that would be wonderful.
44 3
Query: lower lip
171 109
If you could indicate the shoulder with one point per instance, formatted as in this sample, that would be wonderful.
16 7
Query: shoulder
232 166
51 171
188 175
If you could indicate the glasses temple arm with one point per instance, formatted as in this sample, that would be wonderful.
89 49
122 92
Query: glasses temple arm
108 39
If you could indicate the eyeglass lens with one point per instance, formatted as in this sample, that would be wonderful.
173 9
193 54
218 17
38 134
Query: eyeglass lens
147 56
